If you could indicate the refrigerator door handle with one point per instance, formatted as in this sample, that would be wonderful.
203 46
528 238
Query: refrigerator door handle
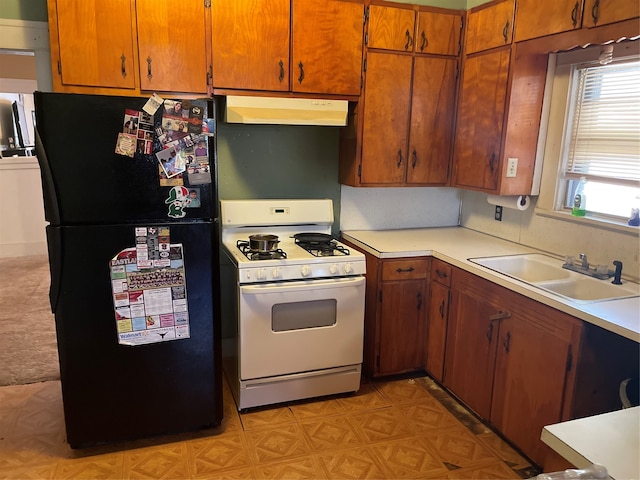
52 210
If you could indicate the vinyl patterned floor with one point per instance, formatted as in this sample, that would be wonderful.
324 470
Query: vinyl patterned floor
406 428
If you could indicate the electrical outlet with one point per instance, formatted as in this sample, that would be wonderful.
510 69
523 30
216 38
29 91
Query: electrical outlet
498 214
512 167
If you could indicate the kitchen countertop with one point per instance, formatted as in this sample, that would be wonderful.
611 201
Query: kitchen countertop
455 245
611 440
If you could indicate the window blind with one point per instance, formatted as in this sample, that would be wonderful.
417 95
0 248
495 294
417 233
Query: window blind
605 135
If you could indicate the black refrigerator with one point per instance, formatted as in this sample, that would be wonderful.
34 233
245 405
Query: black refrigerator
134 266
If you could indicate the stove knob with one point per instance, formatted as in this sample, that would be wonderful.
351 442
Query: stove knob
348 268
276 272
305 270
333 269
261 274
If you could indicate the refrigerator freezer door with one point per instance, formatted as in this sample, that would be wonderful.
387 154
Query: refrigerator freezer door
114 392
84 181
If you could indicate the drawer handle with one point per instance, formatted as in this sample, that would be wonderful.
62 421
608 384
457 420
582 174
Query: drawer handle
441 274
499 316
595 12
574 14
441 309
405 270
409 40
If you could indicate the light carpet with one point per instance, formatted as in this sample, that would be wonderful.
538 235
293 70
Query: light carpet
28 348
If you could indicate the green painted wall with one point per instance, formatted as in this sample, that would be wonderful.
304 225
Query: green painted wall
33 10
278 161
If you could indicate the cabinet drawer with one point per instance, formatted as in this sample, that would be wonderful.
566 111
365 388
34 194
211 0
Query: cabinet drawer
405 269
441 272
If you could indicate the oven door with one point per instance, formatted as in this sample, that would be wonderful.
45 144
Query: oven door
294 327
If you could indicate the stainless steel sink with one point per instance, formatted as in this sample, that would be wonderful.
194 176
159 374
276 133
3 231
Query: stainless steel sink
546 272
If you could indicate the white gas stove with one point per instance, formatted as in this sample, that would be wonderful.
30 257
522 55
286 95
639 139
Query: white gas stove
293 307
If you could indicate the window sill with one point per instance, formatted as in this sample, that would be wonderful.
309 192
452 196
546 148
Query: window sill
590 221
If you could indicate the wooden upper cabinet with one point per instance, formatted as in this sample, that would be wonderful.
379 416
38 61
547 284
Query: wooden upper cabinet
94 41
438 33
327 46
602 12
536 18
391 28
172 45
387 99
481 110
489 26
250 44
431 126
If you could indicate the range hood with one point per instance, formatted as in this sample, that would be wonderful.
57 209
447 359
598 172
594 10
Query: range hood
285 111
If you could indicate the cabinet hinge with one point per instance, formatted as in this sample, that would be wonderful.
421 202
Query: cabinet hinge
207 3
364 67
380 295
366 14
366 39
59 67
457 70
377 363
569 359
210 75
360 176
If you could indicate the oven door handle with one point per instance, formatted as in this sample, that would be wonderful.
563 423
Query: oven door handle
301 286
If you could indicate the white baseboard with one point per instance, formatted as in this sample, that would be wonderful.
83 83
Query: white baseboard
8 250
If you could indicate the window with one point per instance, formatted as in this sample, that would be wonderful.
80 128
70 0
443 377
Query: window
602 135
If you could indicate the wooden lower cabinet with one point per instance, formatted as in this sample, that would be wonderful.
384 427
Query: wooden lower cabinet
395 315
510 359
437 318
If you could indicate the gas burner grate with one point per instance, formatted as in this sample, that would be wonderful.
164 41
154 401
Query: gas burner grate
323 249
245 247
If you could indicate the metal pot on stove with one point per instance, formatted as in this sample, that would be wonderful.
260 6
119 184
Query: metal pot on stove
263 243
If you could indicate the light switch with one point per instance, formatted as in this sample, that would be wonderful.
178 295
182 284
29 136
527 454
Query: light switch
512 167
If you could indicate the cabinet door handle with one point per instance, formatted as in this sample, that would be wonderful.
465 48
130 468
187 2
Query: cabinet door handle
409 41
414 159
123 65
405 270
149 74
425 42
499 316
595 11
281 76
441 310
507 342
490 332
574 14
399 164
505 32
419 306
301 77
